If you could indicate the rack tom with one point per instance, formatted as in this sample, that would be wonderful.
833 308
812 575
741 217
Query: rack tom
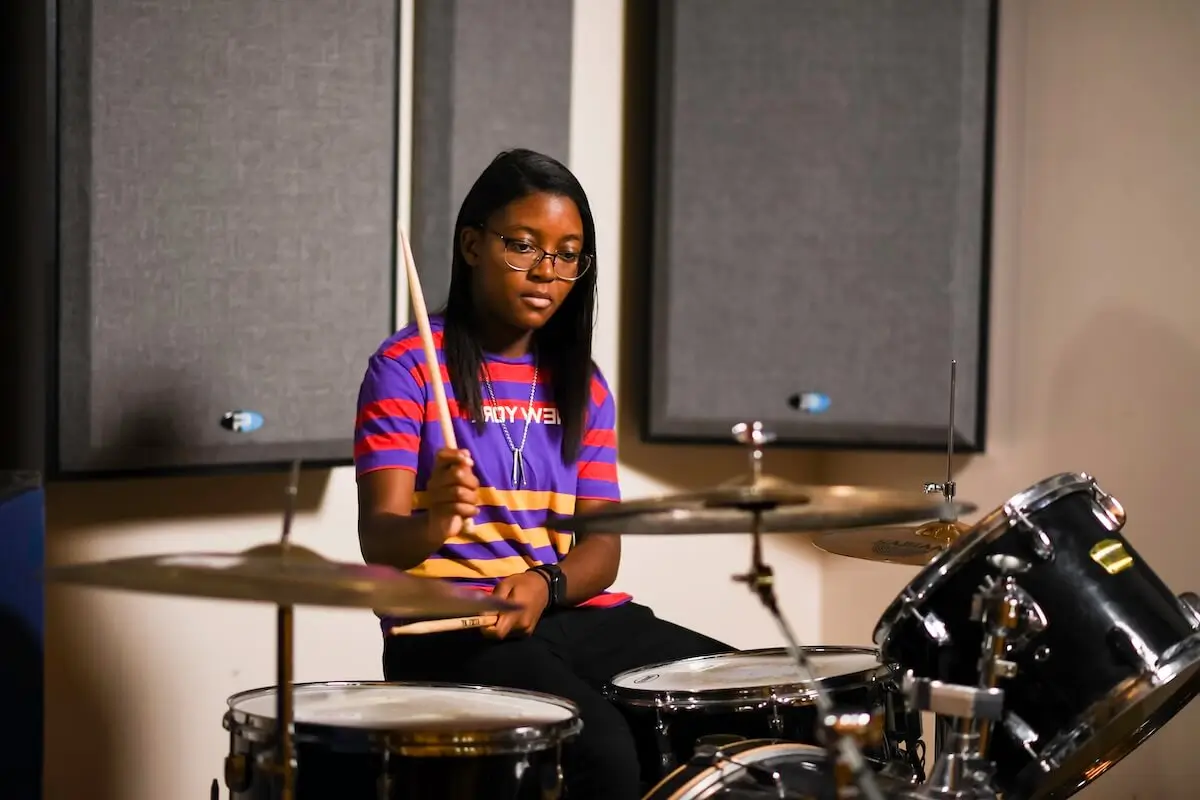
1102 655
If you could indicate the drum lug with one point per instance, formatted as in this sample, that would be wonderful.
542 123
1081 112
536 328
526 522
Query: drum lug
662 737
934 626
1039 542
1190 603
1021 732
237 776
1109 510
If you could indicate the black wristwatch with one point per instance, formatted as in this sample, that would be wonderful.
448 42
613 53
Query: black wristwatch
555 580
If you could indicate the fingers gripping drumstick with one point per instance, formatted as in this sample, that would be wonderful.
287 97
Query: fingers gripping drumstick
431 361
443 625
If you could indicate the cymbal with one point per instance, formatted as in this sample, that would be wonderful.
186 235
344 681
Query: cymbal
297 576
893 545
784 508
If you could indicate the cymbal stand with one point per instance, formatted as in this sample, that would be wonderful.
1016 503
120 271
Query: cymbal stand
284 768
960 772
1002 607
836 732
948 488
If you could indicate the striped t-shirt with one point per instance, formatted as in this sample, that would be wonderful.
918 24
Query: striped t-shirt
397 428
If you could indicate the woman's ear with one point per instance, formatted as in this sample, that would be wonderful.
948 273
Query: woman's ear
470 241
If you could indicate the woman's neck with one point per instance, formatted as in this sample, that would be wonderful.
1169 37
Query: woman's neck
503 340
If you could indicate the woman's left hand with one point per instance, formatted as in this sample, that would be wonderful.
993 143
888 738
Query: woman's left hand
526 589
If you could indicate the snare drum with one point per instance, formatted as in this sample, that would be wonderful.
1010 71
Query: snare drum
760 694
758 769
370 741
1105 654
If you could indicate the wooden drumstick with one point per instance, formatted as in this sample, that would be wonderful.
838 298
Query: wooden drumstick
443 625
431 360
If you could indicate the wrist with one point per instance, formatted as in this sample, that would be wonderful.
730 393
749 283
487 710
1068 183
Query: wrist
556 583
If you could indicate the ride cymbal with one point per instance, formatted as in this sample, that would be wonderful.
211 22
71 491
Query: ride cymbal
282 576
893 545
784 508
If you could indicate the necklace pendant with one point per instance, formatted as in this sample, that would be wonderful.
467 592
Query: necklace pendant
518 469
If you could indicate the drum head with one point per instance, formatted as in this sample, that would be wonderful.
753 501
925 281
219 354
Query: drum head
402 714
731 677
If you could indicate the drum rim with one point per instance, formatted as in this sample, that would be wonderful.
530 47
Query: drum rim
521 738
948 562
688 781
1114 705
790 693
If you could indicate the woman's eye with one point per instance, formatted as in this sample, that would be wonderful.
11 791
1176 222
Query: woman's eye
521 247
570 258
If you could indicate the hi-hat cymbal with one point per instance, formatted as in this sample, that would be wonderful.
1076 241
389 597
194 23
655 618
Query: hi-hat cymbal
893 545
292 576
784 508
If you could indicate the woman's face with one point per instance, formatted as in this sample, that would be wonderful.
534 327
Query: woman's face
519 232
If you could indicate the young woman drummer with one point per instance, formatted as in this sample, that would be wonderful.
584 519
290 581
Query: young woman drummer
534 419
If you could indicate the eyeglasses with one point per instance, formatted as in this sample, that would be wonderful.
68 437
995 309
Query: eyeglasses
523 255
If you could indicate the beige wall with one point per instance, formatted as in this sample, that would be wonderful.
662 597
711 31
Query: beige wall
1098 192
1095 355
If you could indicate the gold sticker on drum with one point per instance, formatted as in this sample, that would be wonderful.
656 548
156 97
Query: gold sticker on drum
1112 556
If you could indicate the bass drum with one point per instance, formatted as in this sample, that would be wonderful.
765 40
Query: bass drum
759 769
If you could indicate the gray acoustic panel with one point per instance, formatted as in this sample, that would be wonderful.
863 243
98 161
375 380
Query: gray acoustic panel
488 76
226 226
821 211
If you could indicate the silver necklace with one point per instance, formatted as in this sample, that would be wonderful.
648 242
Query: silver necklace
518 466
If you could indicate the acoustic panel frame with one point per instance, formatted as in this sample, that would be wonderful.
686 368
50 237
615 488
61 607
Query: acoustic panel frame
659 426
50 322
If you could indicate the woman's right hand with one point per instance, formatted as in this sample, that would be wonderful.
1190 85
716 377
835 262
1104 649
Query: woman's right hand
452 491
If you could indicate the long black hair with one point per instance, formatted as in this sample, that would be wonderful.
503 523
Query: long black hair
564 343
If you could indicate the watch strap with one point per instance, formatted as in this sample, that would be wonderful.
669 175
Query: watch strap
556 582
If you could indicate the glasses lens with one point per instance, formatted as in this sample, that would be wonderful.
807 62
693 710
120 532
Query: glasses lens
521 255
573 267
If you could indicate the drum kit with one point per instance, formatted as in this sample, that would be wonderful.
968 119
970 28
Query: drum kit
1044 644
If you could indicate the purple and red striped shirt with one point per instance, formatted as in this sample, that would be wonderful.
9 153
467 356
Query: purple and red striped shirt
397 428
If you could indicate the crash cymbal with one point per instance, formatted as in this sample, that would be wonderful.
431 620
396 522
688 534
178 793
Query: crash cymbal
893 545
283 576
785 508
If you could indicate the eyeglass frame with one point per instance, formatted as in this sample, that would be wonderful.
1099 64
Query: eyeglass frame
585 259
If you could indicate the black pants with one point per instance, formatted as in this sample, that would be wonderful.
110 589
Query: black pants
571 654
